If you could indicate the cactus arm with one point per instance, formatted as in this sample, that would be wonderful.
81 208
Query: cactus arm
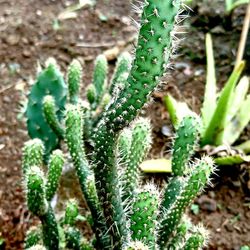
186 139
54 173
33 151
74 131
38 205
74 80
193 184
32 238
198 239
49 112
100 77
151 57
140 144
123 65
71 213
36 198
144 216
50 230
152 54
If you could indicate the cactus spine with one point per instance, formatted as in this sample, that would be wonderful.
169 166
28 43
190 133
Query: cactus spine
74 131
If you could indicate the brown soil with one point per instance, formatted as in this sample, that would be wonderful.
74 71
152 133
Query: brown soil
28 36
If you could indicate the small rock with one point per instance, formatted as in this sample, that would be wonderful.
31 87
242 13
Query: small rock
6 99
26 53
13 39
229 227
207 204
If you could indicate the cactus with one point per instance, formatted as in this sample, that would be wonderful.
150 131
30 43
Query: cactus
187 137
74 80
54 173
122 68
140 144
49 82
144 216
125 214
192 185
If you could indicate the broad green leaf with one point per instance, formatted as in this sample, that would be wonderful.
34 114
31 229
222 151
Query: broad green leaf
214 132
177 110
209 103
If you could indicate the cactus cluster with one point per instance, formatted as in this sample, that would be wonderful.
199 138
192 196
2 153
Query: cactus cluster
106 146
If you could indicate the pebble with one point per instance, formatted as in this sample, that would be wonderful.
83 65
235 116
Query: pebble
13 39
207 204
26 53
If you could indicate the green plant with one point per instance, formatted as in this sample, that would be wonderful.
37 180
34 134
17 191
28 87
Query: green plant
106 146
232 4
224 114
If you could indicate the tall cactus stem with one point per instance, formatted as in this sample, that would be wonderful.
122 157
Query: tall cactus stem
54 173
74 131
74 77
140 144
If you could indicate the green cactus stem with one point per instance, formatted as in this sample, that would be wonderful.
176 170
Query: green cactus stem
36 198
54 173
100 77
91 94
50 230
74 80
123 147
71 212
144 216
151 57
49 82
140 144
186 139
180 235
33 151
123 65
74 131
33 237
49 112
197 240
192 185
73 238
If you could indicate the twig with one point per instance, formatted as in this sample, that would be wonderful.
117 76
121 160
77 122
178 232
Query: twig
243 37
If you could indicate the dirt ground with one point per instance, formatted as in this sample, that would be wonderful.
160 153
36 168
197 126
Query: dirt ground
30 33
